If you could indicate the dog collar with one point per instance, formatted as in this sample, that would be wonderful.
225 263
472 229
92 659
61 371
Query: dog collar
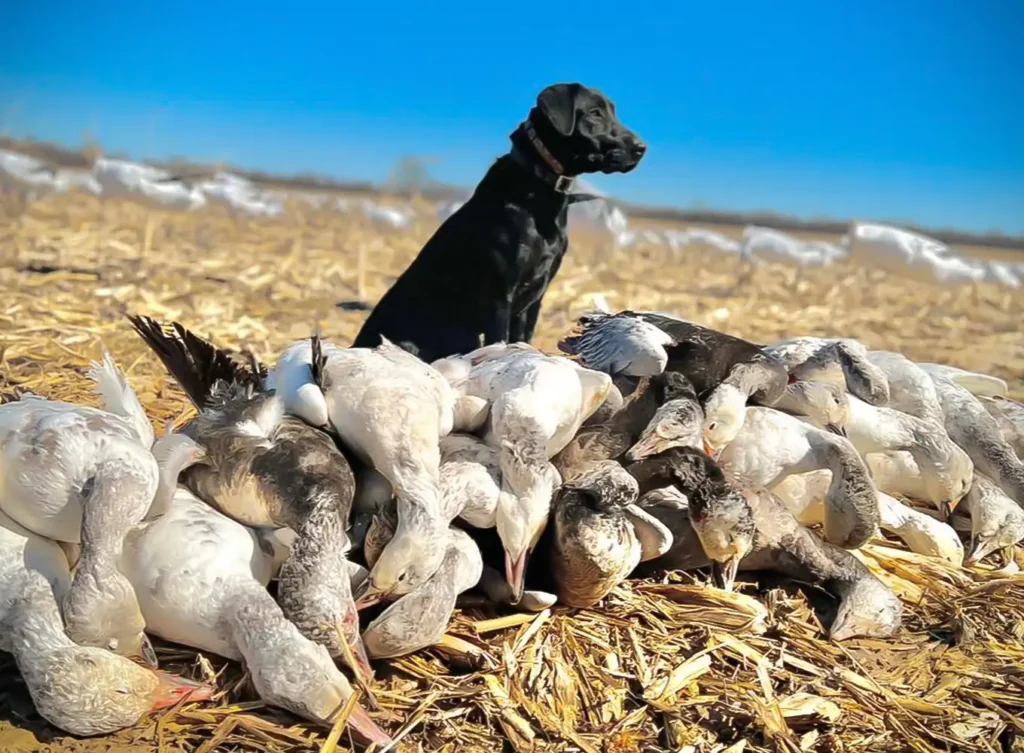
551 171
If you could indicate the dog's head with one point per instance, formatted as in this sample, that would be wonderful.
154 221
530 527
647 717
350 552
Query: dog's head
578 126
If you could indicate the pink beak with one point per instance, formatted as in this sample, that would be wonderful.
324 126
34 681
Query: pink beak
515 574
365 729
172 689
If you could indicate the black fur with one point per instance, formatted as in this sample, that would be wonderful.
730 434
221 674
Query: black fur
482 276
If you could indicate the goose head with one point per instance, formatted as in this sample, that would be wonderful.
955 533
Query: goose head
867 608
676 423
724 415
102 610
824 403
409 558
528 484
89 691
997 522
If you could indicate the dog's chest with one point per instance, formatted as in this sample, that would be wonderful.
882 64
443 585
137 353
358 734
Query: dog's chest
538 257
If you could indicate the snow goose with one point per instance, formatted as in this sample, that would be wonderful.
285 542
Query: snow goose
1009 415
77 474
538 403
420 618
997 522
772 445
841 361
973 428
598 535
804 496
390 409
269 470
150 185
201 579
945 469
82 690
725 371
748 530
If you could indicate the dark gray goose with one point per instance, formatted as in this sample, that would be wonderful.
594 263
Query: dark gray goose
266 469
747 530
599 535
725 371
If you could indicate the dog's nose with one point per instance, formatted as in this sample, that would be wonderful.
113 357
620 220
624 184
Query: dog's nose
639 148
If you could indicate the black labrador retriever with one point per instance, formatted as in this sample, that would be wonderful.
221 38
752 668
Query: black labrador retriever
481 277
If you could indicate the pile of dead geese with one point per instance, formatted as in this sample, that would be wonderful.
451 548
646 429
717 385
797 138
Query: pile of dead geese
353 477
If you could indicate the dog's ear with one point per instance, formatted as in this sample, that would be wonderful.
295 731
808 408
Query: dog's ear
558 103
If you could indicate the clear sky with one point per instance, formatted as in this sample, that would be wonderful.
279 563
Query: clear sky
886 109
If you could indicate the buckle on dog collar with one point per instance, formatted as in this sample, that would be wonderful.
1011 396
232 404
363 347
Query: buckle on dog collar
564 184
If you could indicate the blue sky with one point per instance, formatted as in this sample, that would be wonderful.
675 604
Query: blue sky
908 110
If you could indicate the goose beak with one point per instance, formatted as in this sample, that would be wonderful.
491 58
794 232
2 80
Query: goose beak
947 507
515 574
711 452
366 595
836 429
172 689
648 445
724 573
981 547
147 653
365 729
353 653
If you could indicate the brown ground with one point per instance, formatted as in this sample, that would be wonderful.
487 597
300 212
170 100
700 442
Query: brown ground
588 680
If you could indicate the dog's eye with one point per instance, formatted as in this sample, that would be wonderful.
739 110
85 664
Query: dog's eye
596 113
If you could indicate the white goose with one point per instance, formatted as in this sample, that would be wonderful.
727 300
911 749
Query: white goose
538 403
81 475
772 445
201 579
80 689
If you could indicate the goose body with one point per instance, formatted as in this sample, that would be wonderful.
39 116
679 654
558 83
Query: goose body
839 361
752 530
538 404
267 469
773 445
910 388
81 475
201 579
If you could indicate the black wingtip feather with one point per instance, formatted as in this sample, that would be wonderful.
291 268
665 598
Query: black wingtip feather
196 364
318 360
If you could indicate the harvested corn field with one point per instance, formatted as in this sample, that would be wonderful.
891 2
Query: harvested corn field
660 665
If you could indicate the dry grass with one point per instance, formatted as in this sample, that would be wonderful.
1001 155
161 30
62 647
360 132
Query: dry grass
665 665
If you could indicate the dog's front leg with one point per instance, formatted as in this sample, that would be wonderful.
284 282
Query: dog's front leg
523 324
500 322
